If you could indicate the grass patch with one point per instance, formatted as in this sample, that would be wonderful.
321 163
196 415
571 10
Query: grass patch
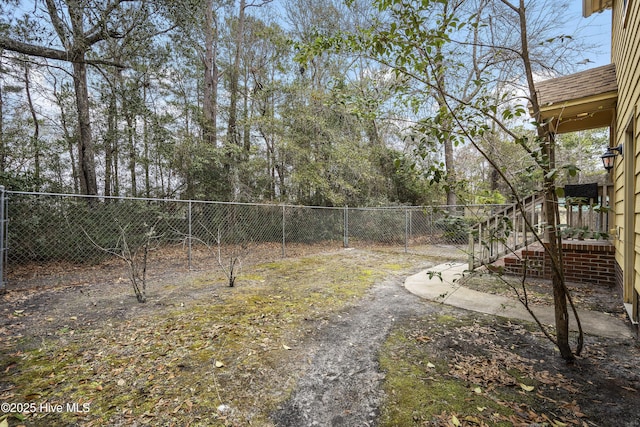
174 365
447 320
420 391
441 370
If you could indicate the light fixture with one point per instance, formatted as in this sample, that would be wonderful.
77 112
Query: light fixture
609 158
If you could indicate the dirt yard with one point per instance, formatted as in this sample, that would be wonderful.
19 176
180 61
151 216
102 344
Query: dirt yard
329 339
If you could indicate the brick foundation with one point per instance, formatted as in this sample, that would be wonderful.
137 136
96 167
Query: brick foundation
590 261
619 277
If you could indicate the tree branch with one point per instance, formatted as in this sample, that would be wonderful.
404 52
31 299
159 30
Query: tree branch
58 24
34 50
50 53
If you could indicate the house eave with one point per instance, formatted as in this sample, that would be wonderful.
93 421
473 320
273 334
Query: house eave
590 7
579 101
581 114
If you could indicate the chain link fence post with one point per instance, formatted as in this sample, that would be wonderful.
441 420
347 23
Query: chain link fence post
283 231
406 230
189 254
471 250
346 227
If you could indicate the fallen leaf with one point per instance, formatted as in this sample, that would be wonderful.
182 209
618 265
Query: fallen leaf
527 387
455 421
4 423
477 390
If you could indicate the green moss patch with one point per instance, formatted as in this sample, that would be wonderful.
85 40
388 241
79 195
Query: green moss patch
448 371
228 357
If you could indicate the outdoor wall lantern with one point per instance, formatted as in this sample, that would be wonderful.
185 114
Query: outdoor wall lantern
609 158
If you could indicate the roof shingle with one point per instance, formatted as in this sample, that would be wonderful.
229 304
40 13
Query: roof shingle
584 84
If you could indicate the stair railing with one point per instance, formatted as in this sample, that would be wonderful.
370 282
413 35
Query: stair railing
506 231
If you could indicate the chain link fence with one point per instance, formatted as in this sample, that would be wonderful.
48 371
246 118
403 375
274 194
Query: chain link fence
46 237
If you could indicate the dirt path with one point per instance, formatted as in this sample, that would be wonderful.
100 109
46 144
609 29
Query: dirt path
301 324
342 386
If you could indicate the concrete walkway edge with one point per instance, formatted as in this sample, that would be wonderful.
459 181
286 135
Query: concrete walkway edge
441 284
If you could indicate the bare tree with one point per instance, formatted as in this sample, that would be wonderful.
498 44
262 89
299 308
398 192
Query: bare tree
433 54
78 26
553 247
134 255
211 75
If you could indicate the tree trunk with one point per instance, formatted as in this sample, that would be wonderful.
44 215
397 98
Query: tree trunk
449 164
3 155
132 151
86 155
35 139
210 98
371 129
452 197
234 76
233 137
145 139
553 241
494 176
69 139
246 129
110 142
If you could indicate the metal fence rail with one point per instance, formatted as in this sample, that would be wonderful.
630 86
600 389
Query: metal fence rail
44 232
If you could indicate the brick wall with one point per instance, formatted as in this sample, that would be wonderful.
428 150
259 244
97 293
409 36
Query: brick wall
619 277
584 261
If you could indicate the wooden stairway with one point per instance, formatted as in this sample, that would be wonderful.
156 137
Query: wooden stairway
512 228
506 231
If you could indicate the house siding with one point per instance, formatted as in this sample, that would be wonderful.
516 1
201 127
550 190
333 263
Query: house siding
625 54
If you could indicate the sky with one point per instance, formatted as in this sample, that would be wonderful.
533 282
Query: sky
595 29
